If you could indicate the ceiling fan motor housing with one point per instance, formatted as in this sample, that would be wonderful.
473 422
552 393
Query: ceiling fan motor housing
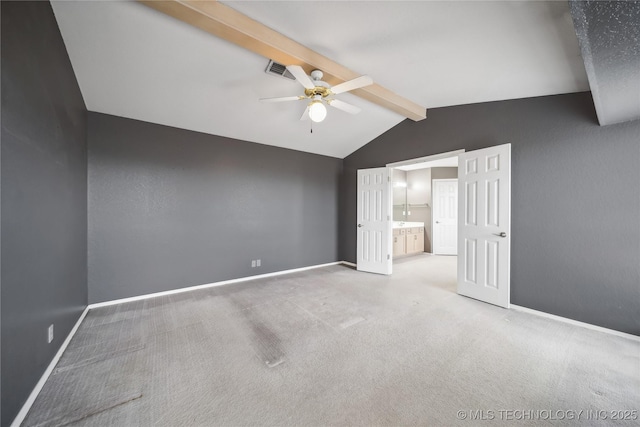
317 75
321 88
318 90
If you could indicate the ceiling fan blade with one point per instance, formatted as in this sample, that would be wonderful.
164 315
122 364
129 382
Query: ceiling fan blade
356 83
301 76
305 115
341 105
284 98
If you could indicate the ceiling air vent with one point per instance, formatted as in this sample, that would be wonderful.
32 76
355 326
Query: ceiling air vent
278 70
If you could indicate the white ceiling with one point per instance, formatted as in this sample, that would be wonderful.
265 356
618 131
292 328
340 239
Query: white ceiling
135 62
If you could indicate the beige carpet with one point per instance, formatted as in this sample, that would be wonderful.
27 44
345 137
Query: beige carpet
333 346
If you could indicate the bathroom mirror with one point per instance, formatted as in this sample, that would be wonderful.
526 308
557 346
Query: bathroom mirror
399 195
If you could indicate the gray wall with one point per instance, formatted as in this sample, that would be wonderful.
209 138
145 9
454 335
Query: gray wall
444 173
44 198
575 199
171 208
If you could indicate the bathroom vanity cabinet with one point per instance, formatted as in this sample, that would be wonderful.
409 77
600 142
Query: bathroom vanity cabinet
415 240
399 241
408 239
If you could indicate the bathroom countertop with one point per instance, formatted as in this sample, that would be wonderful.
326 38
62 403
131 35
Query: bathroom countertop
406 224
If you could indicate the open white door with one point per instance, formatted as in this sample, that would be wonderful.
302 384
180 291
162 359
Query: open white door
445 216
484 224
374 220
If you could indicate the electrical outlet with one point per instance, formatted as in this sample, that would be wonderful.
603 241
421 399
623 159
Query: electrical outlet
258 263
50 334
253 263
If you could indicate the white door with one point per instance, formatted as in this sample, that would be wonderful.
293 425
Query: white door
374 220
445 216
484 181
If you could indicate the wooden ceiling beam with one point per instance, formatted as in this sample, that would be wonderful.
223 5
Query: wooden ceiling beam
229 24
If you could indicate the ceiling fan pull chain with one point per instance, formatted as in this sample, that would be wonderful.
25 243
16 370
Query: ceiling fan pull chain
311 126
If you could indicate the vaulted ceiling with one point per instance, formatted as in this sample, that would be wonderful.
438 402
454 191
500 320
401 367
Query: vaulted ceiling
609 36
133 61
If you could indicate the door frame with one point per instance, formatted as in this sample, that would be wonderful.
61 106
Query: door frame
424 159
433 226
432 158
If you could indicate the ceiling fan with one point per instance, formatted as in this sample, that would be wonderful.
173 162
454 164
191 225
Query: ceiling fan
319 93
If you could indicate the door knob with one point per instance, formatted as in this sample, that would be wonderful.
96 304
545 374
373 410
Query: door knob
437 222
502 234
359 225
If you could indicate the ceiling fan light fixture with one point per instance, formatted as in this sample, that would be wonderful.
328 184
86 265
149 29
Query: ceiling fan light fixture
317 111
317 91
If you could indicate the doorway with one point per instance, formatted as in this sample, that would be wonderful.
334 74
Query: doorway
413 201
483 231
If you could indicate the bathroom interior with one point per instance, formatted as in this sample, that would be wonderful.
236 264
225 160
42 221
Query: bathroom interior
413 207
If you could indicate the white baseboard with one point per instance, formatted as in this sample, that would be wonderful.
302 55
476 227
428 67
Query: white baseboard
211 285
576 323
45 376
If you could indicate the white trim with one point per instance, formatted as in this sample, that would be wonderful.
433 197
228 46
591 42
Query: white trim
45 376
208 285
425 159
576 323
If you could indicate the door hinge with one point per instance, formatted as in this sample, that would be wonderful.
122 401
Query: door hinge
388 217
388 179
388 256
